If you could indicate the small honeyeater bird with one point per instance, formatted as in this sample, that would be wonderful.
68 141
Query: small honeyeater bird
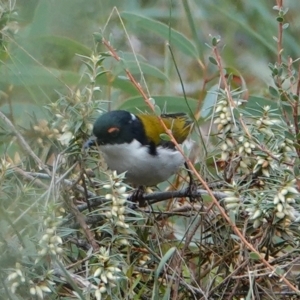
131 143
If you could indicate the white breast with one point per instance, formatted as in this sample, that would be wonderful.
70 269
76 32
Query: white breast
142 168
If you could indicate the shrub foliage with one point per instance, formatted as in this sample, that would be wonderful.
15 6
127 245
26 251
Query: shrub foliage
68 230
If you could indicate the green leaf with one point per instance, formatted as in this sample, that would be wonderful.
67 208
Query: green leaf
209 101
157 110
165 137
279 271
285 25
163 261
296 167
167 293
254 256
119 82
174 37
100 74
172 104
273 91
152 101
63 43
28 75
232 216
253 101
214 41
279 19
146 68
213 60
236 113
98 37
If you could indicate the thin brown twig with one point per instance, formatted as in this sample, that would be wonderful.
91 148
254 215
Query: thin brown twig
241 266
67 182
31 178
178 257
216 263
81 220
195 291
298 84
296 111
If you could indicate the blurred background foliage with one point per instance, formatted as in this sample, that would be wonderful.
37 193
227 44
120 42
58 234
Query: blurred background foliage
45 49
42 40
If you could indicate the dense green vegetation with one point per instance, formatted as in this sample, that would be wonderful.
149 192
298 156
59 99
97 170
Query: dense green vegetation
67 231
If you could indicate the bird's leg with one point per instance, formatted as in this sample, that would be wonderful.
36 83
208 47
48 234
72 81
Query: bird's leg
138 196
192 188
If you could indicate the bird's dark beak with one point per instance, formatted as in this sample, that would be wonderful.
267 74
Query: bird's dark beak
90 143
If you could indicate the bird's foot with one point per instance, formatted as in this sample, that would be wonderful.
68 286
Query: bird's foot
138 197
191 191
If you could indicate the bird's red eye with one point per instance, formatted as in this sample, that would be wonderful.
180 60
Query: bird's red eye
113 131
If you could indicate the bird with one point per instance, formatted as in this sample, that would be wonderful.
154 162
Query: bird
132 143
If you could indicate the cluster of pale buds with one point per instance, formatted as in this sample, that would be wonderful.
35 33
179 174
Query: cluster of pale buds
144 260
245 165
99 291
255 211
284 200
232 200
16 278
226 147
223 116
288 150
118 197
263 164
106 273
50 243
39 290
265 122
44 130
246 147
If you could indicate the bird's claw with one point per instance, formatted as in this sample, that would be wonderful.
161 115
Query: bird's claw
137 196
191 191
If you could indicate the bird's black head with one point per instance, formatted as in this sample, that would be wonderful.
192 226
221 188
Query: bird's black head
118 127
